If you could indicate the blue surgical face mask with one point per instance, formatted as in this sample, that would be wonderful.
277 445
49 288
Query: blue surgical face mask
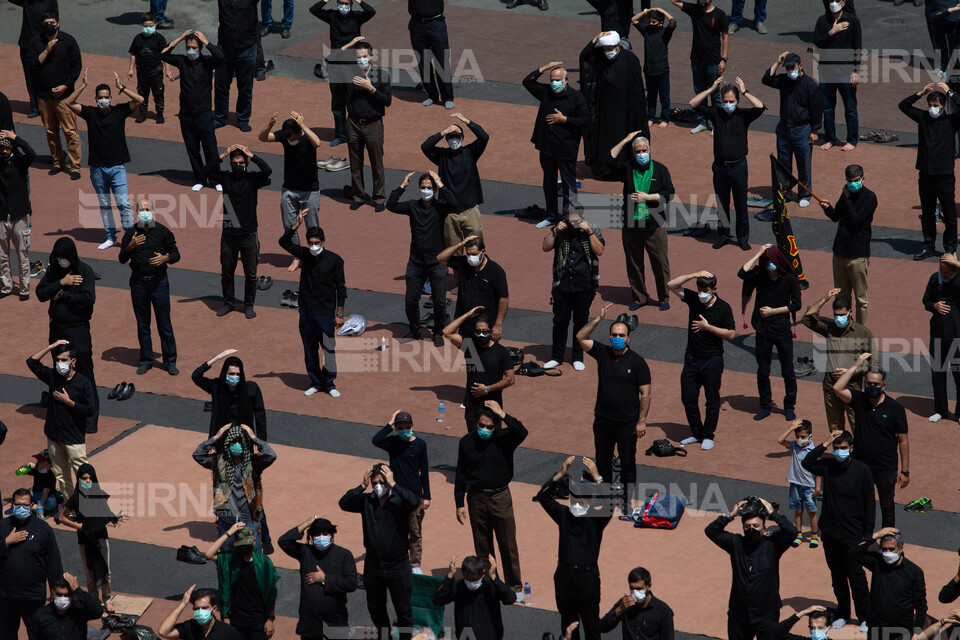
618 342
771 266
793 74
86 486
729 107
202 615
405 434
855 185
193 54
344 9
364 62
145 217
485 434
556 85
149 31
236 449
841 454
841 321
322 542
232 380
643 158
818 634
426 194
21 511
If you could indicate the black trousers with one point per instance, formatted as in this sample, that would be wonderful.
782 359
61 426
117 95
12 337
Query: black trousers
151 80
29 78
941 362
742 630
432 47
623 435
934 189
197 131
338 105
251 632
567 169
885 480
247 247
847 576
395 579
418 273
701 373
784 345
567 305
578 599
79 337
12 612
727 179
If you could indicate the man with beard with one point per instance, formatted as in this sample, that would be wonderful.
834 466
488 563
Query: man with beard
67 615
16 156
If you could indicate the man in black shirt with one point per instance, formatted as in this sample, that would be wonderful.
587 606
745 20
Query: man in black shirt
710 323
16 156
457 166
941 299
709 49
818 624
881 433
149 247
323 291
301 189
328 573
801 111
203 625
368 97
29 561
754 607
237 38
476 598
730 155
239 232
54 57
778 296
66 617
643 615
428 37
647 188
385 515
196 83
577 246
145 53
898 593
853 214
345 26
484 472
426 216
839 38
936 130
576 581
489 365
623 400
31 23
561 116
483 282
107 139
70 406
846 518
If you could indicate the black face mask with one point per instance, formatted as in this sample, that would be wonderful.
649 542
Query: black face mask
752 536
872 392
482 339
49 29
238 170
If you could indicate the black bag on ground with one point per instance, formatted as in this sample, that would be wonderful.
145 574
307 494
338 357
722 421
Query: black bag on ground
664 448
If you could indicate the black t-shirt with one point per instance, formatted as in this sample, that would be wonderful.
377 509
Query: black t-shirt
107 134
655 52
299 164
147 50
730 129
708 29
704 344
191 630
486 366
479 288
575 272
44 480
246 604
619 378
875 439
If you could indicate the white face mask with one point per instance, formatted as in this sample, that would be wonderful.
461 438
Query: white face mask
62 603
890 557
103 103
793 74
63 262
316 249
803 444
639 594
293 142
380 490
63 368
426 194
578 510
193 54
835 7
611 53
455 143
364 62
934 112
145 217
474 261
344 9
705 297
473 585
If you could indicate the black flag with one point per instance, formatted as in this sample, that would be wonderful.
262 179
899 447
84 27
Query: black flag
783 181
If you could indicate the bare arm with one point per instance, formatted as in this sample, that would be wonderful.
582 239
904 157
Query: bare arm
615 152
583 336
840 386
676 285
814 309
266 134
701 97
447 253
73 97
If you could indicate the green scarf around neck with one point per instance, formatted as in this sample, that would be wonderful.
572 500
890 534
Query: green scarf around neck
641 183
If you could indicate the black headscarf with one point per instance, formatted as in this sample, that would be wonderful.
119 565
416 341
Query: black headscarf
221 397
63 248
94 514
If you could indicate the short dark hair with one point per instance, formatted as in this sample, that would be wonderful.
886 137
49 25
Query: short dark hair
841 302
193 37
199 594
458 127
484 318
638 574
64 348
939 96
475 242
485 411
50 15
148 17
363 44
852 171
377 470
427 176
805 426
876 368
290 127
726 88
821 614
315 232
102 87
704 282
237 153
22 491
472 565
626 326
59 583
845 437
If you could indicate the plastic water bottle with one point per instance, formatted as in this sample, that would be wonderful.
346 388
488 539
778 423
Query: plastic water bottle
442 412
527 594
40 509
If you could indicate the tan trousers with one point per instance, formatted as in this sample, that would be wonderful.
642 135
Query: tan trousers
836 408
850 276
15 236
416 536
654 242
65 460
462 224
56 115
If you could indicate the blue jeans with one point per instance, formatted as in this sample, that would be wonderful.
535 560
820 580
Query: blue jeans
225 522
658 85
50 505
703 77
759 11
795 142
159 8
318 332
112 179
154 292
266 13
848 94
241 63
729 178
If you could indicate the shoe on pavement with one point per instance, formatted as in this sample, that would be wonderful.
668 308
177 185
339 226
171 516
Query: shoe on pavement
322 164
142 369
578 366
74 175
166 24
160 119
797 541
261 75
224 310
761 28
355 205
336 142
141 117
245 127
339 165
542 5
689 440
311 391
733 28
438 339
721 243
863 627
839 623
249 313
926 253
426 103
514 4
172 369
664 306
804 203
449 103
763 413
700 128
218 187
127 391
197 187
814 540
265 30
935 418
334 393
706 445
551 364
284 33
106 245
116 390
789 415
745 246
546 222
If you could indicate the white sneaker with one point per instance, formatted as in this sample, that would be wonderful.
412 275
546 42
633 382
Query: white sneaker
935 418
689 440
863 627
219 188
839 623
334 393
551 364
427 102
706 445
311 391
546 222
106 245
804 203
448 104
196 187
700 128
578 366
463 406
417 571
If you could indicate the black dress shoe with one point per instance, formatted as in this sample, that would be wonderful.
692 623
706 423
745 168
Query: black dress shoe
284 33
542 5
74 175
127 392
141 117
142 369
926 253
379 207
437 339
265 30
116 390
694 232
745 245
166 24
224 310
514 4
172 369
190 555
355 205
160 119
722 242
54 171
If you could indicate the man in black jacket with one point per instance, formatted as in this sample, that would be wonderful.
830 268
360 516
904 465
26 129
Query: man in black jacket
556 134
754 609
840 39
941 299
936 132
323 292
328 573
642 615
367 101
30 25
476 598
66 617
898 593
239 234
846 518
16 156
385 515
29 560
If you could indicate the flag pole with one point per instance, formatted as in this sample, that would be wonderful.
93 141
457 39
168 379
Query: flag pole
800 184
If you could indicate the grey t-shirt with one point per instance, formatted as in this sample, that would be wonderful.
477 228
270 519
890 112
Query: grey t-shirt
797 474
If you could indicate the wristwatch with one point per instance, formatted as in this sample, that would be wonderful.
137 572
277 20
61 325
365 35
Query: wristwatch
906 473
723 59
339 315
745 92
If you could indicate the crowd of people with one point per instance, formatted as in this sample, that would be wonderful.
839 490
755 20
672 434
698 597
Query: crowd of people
861 460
